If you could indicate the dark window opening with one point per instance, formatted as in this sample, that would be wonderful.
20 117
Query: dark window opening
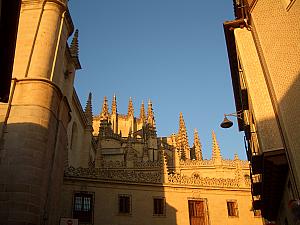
83 207
159 206
124 204
232 208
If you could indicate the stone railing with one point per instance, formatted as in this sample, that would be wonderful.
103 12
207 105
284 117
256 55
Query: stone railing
210 162
189 162
148 164
113 164
206 181
124 175
154 176
233 163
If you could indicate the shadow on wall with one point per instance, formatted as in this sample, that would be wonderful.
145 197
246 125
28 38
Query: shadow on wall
275 165
31 173
118 202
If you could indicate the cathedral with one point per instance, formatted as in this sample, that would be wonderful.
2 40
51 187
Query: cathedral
61 164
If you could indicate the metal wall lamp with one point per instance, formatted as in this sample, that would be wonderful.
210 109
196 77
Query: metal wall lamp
226 123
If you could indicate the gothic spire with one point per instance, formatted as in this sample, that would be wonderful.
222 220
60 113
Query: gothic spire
150 116
74 47
74 50
114 105
142 113
88 110
197 146
216 152
183 139
104 113
130 108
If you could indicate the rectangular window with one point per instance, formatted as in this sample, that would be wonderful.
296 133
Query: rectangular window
198 212
83 207
232 208
124 204
159 206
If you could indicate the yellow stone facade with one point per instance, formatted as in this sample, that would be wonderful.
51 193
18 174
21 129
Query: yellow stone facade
264 56
60 163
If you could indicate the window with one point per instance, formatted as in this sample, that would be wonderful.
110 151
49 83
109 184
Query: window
124 204
83 207
159 206
232 208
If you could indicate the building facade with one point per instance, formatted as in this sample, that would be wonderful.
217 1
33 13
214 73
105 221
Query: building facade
264 56
135 177
59 164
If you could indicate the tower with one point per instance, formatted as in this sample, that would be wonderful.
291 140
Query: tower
33 124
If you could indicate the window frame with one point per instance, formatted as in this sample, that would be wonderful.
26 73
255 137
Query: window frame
79 214
232 212
161 210
125 212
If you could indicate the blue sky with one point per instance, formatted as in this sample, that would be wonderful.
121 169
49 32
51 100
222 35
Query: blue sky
170 51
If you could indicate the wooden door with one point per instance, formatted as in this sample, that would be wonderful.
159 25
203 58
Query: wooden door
198 212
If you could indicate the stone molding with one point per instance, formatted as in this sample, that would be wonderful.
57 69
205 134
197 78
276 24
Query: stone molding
126 175
155 176
210 162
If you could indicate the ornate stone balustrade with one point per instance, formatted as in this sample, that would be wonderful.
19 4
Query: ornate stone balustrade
206 181
189 162
113 164
150 176
115 175
225 162
149 164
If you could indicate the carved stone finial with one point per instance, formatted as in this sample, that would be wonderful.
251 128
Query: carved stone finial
142 113
74 50
114 105
197 146
88 110
150 116
182 139
104 113
74 47
216 152
236 156
130 108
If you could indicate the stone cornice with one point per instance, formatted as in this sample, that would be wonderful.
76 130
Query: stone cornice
155 177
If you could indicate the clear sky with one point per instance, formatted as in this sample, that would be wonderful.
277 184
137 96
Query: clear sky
170 51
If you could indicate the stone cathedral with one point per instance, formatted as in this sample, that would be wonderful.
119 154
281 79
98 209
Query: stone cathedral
60 164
